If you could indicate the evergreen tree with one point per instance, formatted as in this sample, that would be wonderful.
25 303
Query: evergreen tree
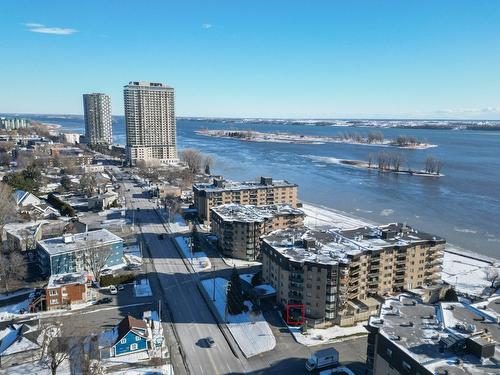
257 279
235 303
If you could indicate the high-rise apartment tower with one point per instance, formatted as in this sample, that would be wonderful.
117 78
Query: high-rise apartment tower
97 112
150 122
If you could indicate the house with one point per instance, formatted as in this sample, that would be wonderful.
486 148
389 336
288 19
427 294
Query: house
102 201
22 236
18 344
25 198
134 336
71 252
66 290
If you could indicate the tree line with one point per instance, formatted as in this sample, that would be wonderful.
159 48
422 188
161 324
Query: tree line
393 161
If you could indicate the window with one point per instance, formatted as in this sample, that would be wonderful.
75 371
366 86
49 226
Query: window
406 365
123 341
54 301
53 292
133 346
389 352
137 338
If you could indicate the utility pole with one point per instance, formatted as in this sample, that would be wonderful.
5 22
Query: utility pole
159 310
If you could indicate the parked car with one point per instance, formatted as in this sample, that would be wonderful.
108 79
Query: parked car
132 267
120 287
112 289
102 301
210 341
106 271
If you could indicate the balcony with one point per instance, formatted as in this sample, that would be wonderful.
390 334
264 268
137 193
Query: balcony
296 278
296 287
295 296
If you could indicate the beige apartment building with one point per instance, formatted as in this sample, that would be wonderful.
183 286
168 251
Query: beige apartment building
150 123
339 275
257 193
239 227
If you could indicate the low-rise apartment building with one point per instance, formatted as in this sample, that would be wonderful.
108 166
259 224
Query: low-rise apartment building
266 191
71 252
338 276
410 337
66 290
239 227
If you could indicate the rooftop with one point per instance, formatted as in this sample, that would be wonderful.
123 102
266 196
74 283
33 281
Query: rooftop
431 334
249 213
385 236
315 246
220 184
79 241
149 85
56 281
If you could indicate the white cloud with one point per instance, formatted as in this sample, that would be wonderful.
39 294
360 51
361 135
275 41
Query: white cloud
40 28
207 26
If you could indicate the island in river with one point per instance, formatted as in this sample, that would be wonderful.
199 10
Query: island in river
374 138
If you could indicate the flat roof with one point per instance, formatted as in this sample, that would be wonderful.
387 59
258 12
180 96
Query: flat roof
61 279
325 246
249 213
421 330
228 185
80 241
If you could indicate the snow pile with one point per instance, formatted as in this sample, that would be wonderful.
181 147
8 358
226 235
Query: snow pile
7 312
466 274
179 225
198 260
142 288
247 277
319 336
251 331
239 263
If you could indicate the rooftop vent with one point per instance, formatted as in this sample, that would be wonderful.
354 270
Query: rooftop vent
406 324
394 337
68 238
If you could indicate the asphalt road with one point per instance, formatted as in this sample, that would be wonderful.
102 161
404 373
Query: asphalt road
193 320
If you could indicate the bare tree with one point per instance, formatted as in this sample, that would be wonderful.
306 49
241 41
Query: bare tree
493 276
8 206
88 184
370 160
375 137
193 160
89 361
397 160
54 349
208 164
95 259
12 267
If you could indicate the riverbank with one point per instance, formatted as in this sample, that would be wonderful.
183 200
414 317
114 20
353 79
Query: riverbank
282 137
465 270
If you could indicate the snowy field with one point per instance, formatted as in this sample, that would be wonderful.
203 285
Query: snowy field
251 331
316 336
466 274
198 260
318 217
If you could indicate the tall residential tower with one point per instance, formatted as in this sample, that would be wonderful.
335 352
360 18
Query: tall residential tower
150 122
97 111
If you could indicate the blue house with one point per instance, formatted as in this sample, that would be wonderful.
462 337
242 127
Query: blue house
134 336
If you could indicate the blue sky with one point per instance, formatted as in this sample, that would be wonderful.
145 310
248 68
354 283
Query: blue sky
320 59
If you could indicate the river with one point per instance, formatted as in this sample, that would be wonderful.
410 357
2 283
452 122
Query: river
463 206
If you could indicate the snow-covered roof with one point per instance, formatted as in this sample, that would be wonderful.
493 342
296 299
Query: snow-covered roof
250 213
12 340
79 241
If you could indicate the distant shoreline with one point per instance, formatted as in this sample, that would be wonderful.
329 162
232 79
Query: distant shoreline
282 137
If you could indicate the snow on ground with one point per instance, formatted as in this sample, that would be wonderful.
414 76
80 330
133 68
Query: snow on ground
247 277
251 331
264 290
162 370
466 274
36 368
198 260
318 217
142 288
317 336
7 312
179 225
239 263
342 369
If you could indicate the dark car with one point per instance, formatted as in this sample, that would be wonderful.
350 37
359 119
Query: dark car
210 342
102 301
